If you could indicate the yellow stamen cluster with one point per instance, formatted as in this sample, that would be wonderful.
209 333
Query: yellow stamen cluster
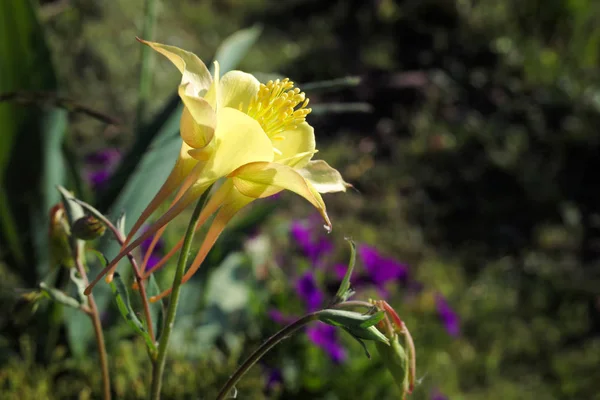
275 107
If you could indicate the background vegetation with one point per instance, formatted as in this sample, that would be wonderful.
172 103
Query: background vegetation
472 140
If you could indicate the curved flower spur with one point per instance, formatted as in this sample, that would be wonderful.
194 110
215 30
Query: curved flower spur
252 135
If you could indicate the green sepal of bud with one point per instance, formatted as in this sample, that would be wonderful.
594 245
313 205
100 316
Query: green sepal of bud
397 360
88 228
361 326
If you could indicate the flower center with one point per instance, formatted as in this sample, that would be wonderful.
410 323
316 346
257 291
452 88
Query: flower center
278 106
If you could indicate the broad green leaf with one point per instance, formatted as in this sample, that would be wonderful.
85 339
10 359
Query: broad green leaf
235 47
31 160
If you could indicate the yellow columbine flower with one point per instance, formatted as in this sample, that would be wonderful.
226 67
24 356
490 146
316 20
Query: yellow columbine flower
254 135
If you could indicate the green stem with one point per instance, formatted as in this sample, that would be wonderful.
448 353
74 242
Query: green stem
146 62
263 349
159 365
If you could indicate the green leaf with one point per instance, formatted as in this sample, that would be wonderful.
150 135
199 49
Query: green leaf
345 292
235 47
31 159
59 296
157 309
361 342
359 325
121 296
80 284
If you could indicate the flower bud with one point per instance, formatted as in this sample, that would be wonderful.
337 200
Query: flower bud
88 228
399 355
60 248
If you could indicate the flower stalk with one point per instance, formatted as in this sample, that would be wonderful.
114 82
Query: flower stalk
136 269
159 364
92 312
263 349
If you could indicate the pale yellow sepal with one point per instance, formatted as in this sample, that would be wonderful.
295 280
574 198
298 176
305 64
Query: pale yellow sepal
198 120
262 179
193 71
323 177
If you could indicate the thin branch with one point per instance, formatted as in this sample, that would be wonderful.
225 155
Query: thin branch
97 324
136 270
38 97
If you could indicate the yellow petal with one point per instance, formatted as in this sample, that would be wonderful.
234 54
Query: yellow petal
213 95
323 177
238 88
194 72
231 202
238 140
198 120
262 179
300 140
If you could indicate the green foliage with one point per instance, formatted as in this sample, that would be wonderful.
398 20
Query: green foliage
471 137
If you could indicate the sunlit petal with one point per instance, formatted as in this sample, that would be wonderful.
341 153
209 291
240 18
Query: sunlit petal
238 140
323 177
300 140
237 89
262 179
193 70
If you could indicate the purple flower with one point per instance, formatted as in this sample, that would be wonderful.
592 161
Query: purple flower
325 337
449 318
156 254
380 269
274 379
312 245
307 289
104 158
280 318
101 164
98 178
436 395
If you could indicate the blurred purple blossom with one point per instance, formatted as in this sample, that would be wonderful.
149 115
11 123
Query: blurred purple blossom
274 379
105 157
307 289
380 269
325 337
436 395
97 178
156 254
313 244
100 166
448 316
280 318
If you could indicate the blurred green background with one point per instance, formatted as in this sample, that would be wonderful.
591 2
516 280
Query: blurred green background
471 138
